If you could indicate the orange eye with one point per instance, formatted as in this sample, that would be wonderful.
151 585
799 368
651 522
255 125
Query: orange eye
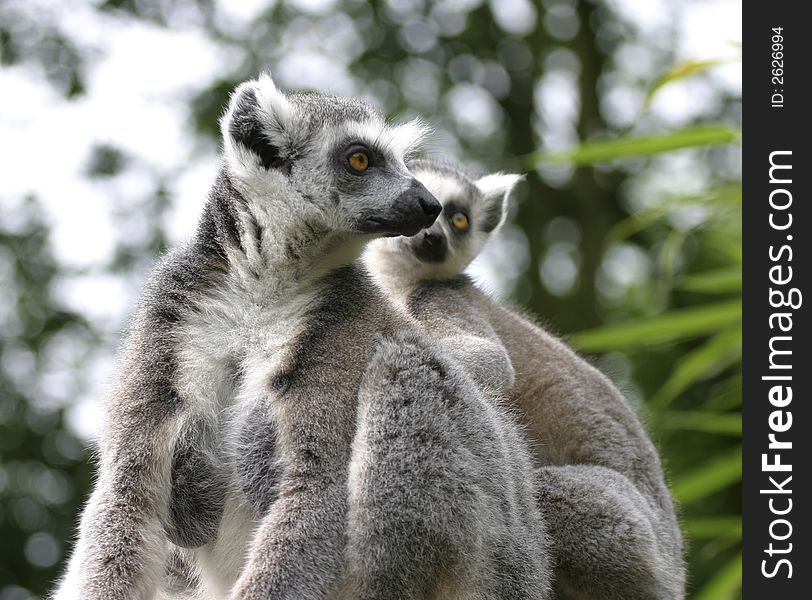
459 221
359 161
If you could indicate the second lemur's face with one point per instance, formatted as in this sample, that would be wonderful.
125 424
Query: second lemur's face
472 211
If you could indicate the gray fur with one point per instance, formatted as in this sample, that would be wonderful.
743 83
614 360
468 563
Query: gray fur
244 364
197 488
600 482
180 580
258 464
441 485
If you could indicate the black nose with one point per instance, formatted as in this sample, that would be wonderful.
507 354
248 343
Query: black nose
418 209
430 247
414 209
429 203
432 239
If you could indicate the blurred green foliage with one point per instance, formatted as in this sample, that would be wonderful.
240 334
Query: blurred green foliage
610 245
44 472
703 323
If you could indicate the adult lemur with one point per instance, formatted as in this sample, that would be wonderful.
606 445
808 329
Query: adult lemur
609 513
279 418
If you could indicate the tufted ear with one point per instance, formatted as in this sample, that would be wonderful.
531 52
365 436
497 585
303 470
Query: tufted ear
496 189
257 127
408 137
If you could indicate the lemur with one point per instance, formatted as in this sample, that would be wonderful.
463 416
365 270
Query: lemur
276 420
600 483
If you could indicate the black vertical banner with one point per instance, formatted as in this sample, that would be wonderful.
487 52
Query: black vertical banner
777 44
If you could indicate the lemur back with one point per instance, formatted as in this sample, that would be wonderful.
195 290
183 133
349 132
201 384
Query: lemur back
253 434
601 484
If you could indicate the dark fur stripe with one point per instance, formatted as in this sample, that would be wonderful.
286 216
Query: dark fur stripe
198 490
246 129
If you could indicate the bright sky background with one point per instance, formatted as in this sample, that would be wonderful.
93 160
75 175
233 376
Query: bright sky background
138 89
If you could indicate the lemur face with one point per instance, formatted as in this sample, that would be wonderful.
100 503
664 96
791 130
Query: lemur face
334 159
472 211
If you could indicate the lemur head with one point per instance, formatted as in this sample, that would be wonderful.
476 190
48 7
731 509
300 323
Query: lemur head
332 163
473 209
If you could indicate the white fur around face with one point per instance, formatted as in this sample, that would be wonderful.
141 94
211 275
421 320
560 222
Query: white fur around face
441 186
394 265
399 140
393 262
280 119
408 137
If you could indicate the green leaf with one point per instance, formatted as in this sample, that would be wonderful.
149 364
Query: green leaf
720 201
669 254
726 395
706 422
607 150
704 528
717 474
725 584
719 281
718 353
676 325
723 195
681 71
725 244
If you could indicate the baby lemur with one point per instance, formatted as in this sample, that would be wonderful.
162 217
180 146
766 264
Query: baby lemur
601 487
277 421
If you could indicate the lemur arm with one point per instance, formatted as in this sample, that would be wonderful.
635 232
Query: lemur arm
400 517
467 336
121 549
486 361
298 546
609 542
429 472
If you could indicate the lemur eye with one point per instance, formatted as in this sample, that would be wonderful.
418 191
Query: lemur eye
359 161
459 221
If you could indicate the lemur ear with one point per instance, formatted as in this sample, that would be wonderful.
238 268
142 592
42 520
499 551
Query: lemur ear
257 127
496 189
408 137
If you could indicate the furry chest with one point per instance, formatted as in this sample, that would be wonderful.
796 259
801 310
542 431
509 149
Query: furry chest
229 349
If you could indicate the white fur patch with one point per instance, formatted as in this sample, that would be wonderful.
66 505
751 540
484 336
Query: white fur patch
397 139
278 120
498 184
221 562
392 267
372 132
441 186
407 137
278 111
